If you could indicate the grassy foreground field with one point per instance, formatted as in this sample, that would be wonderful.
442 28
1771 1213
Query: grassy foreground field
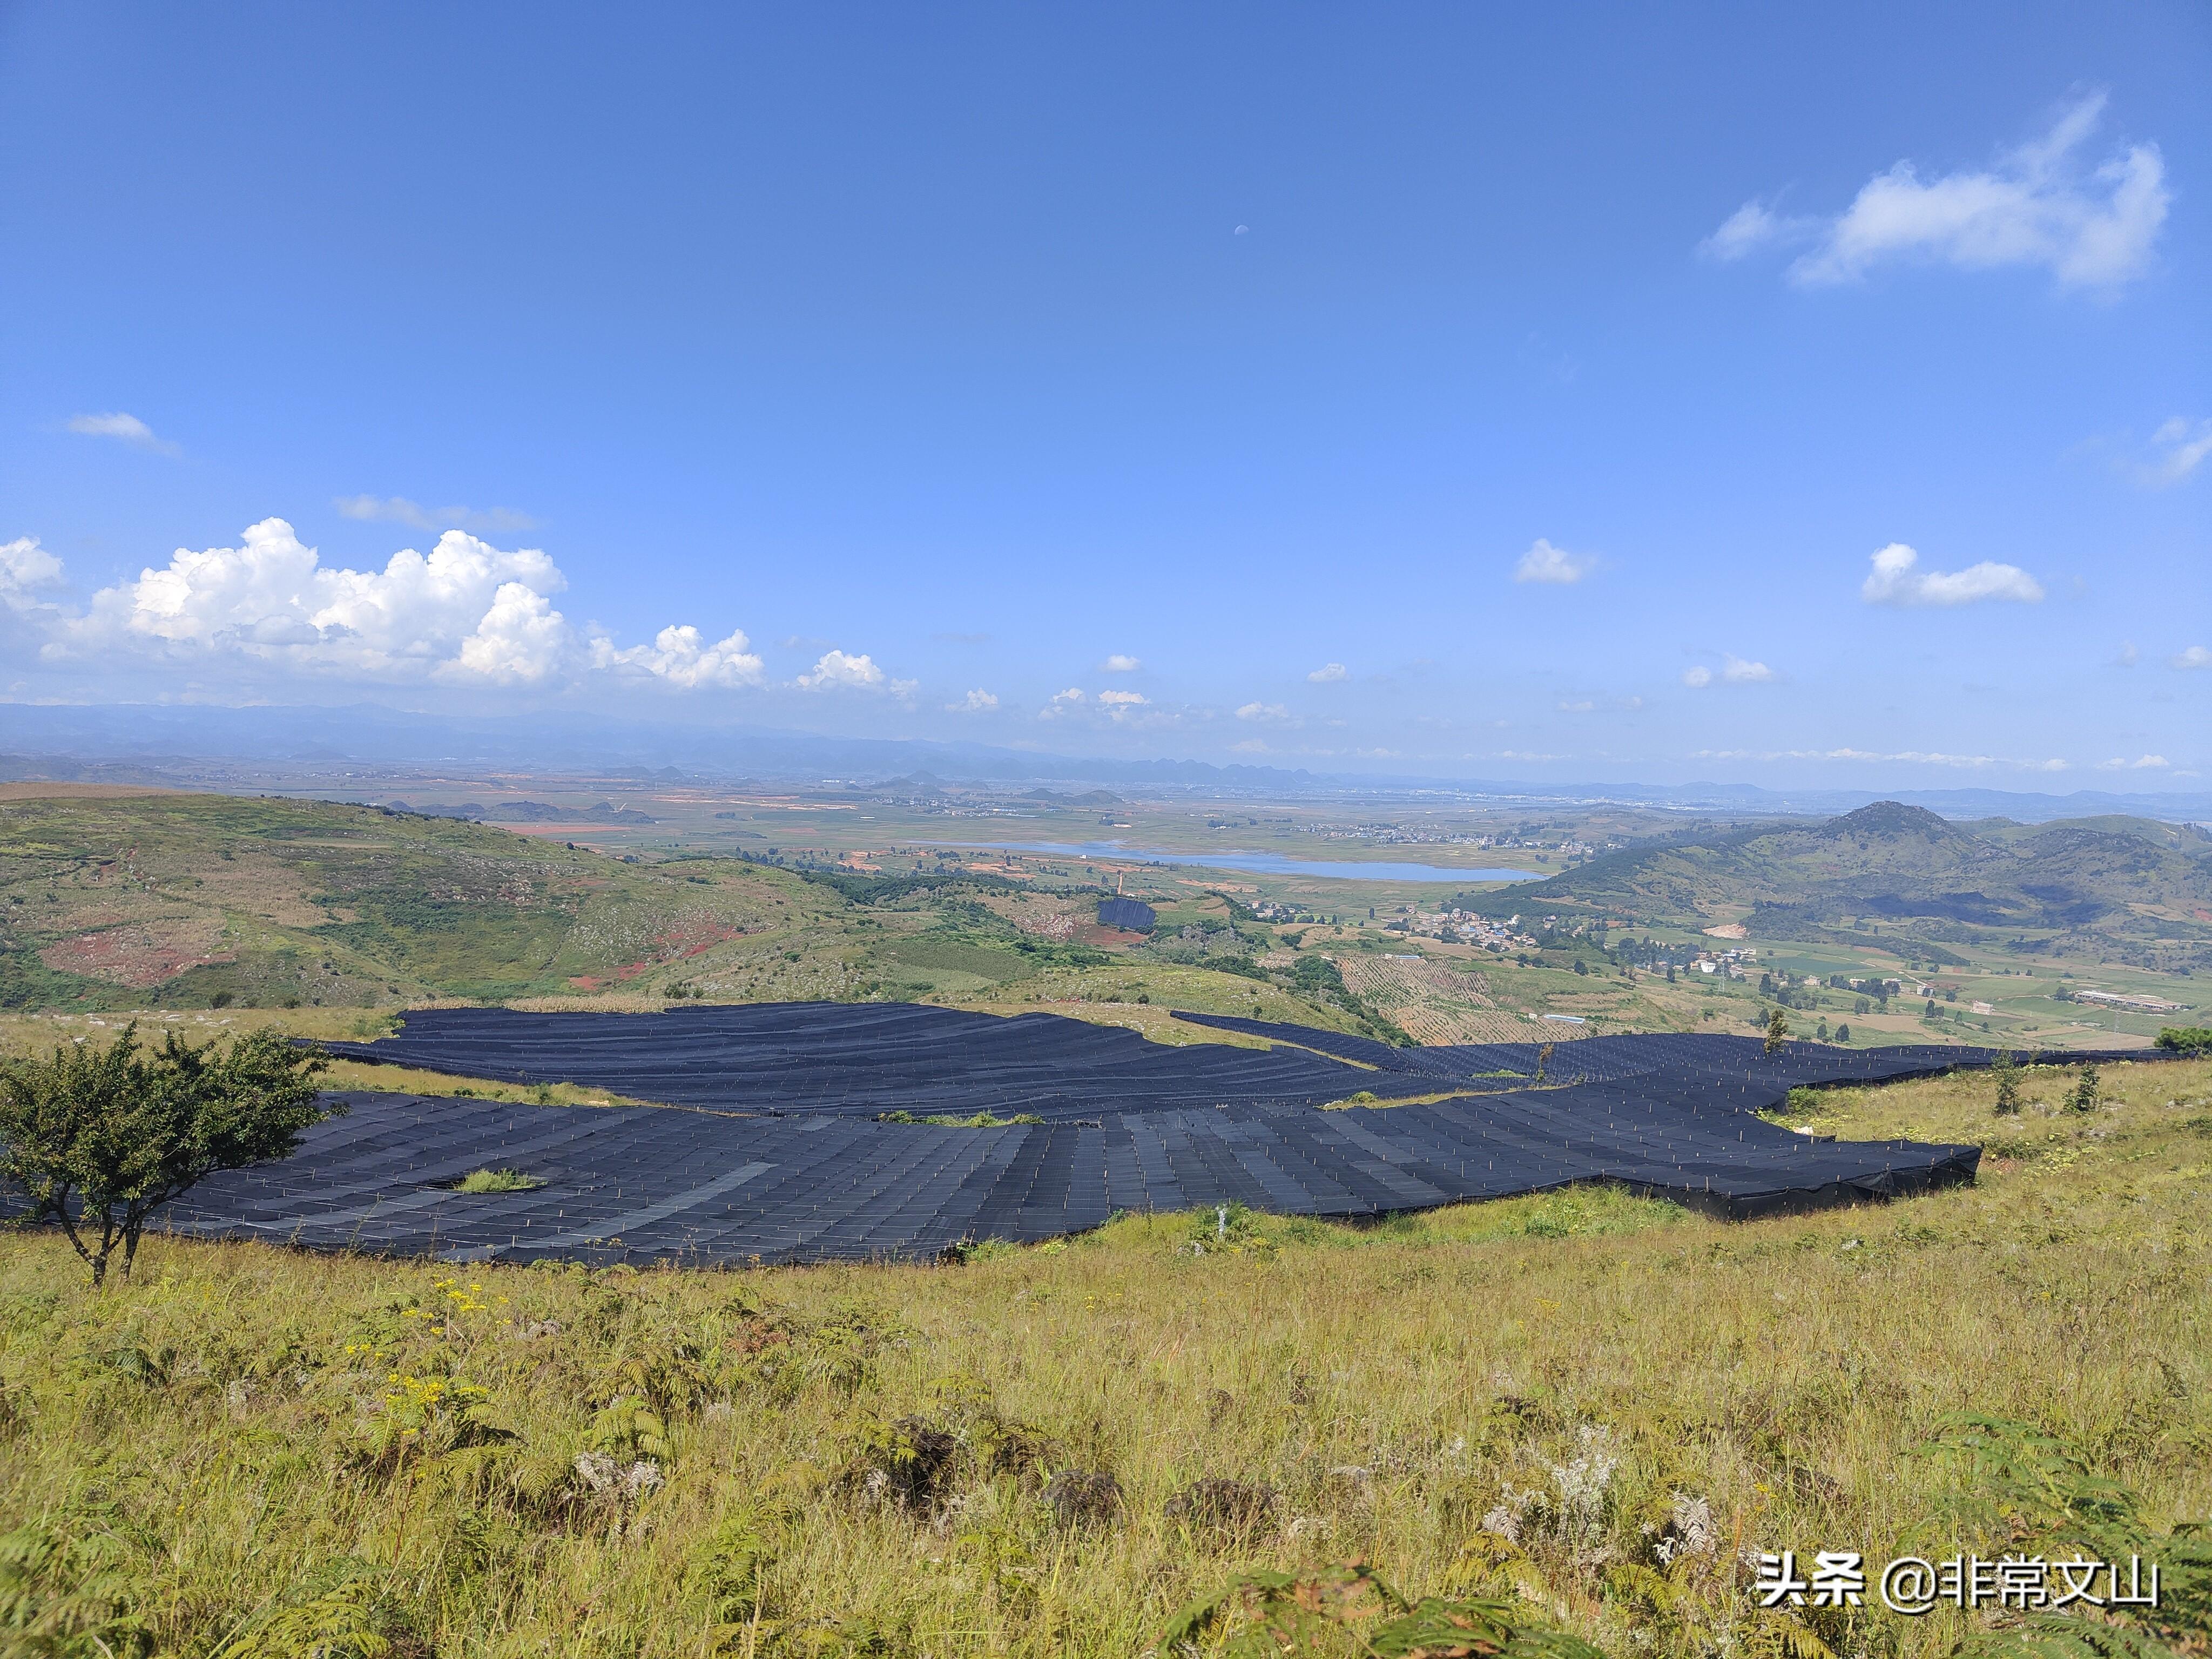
1594 1402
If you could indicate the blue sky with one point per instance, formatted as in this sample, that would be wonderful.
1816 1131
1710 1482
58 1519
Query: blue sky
1626 392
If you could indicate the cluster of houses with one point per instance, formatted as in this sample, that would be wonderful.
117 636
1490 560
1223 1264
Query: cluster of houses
1396 834
1735 963
1469 928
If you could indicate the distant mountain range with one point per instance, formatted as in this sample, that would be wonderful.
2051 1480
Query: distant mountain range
2139 889
207 746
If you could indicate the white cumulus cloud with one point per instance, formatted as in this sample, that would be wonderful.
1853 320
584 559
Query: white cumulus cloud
839 670
467 610
978 702
679 656
1263 711
124 428
465 613
2041 204
1897 578
1121 699
1328 673
2143 764
1120 664
397 509
1544 562
26 567
2195 657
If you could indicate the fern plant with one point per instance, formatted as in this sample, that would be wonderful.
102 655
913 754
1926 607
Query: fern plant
1347 1609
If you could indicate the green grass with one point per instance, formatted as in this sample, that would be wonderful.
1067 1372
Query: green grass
257 1443
497 1181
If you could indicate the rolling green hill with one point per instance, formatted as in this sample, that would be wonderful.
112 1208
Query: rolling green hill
114 899
1891 871
133 900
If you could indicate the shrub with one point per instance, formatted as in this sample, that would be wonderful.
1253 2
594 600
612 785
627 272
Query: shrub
910 1463
1083 1497
2007 1073
1224 1506
2085 1098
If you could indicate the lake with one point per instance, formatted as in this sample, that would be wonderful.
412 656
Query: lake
1265 864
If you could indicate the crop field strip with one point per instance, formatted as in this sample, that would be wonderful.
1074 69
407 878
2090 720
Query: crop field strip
803 1170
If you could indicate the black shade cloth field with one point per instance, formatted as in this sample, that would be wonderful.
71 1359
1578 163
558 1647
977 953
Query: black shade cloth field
785 1161
1131 916
867 1058
644 1183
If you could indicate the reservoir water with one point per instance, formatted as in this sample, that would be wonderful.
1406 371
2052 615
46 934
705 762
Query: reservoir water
1265 864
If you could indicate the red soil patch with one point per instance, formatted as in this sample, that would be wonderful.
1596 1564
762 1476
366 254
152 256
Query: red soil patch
139 957
677 945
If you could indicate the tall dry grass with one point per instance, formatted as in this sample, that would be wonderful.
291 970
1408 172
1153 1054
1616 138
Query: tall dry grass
271 1450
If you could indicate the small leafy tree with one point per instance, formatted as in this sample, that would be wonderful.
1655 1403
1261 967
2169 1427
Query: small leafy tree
2006 1073
1777 1031
98 1139
2085 1098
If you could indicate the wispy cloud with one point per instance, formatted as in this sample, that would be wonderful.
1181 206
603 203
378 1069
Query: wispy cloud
1909 757
123 428
2144 763
1750 226
2195 657
2041 204
1544 562
2178 449
1273 712
1896 579
1591 705
1734 671
1328 673
397 509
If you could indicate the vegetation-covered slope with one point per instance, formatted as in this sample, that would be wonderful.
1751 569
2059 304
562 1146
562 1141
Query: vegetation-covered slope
131 901
1900 869
1585 1404
112 900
